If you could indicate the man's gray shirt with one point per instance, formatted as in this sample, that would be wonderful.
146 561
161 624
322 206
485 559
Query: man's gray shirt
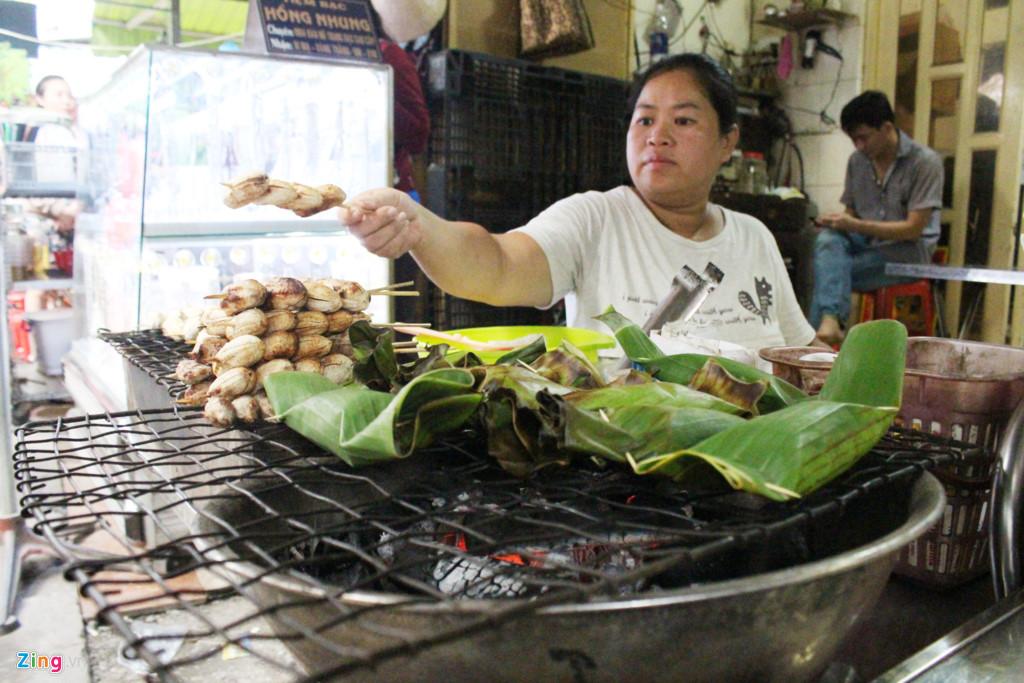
914 181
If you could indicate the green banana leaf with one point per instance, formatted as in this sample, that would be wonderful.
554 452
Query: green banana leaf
786 454
681 368
651 394
568 366
633 431
524 382
511 417
864 372
525 354
794 451
315 407
715 380
375 362
363 426
637 346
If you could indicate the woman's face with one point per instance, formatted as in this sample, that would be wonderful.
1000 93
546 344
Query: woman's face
674 147
57 98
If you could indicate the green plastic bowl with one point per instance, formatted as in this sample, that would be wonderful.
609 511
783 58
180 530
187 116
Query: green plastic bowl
587 341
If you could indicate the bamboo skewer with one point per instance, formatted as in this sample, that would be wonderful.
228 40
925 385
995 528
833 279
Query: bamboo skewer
396 285
398 325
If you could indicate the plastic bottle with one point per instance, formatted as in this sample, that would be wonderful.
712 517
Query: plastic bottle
754 179
658 29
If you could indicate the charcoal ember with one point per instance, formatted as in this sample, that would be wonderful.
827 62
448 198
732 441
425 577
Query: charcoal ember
478 577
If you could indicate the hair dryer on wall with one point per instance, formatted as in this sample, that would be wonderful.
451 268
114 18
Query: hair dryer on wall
813 45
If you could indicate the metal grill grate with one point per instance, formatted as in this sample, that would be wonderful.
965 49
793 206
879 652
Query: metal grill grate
151 352
355 568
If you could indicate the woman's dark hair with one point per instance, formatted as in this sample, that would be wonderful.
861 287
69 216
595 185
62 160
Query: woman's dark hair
714 81
870 108
41 87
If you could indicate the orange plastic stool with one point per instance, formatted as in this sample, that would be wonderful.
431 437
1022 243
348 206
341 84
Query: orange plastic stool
910 303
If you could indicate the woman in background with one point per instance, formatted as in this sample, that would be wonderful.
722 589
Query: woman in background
411 117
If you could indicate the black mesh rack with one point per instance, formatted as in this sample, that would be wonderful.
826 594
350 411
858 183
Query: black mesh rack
356 569
297 534
153 353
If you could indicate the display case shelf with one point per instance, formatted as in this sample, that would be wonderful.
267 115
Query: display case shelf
804 19
171 127
41 283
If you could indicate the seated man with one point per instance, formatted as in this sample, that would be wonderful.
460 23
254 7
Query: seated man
893 199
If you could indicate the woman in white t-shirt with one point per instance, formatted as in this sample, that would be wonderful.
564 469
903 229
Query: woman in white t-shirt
620 247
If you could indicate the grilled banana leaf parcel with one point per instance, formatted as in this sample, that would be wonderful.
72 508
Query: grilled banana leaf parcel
788 446
363 426
805 442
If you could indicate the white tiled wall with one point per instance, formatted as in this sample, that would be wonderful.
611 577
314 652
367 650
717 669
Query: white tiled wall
823 145
728 19
825 148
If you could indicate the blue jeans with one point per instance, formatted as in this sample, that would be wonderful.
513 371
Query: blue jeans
844 262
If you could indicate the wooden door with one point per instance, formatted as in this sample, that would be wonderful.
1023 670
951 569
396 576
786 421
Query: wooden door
954 70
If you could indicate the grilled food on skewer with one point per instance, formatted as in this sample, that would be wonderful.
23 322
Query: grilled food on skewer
266 409
322 297
340 343
304 200
215 321
240 296
308 198
246 408
312 346
285 293
308 365
240 352
340 321
246 189
310 322
337 367
330 197
279 192
281 321
280 345
195 395
192 372
206 347
219 411
233 383
250 321
354 297
267 369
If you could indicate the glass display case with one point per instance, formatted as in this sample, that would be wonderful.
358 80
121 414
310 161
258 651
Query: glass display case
172 126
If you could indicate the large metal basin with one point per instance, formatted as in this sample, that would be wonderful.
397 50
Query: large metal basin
778 626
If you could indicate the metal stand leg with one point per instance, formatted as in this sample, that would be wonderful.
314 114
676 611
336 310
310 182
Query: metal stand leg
17 544
1006 539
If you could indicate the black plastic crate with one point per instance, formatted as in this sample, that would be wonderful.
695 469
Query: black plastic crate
453 313
460 74
509 138
496 123
497 200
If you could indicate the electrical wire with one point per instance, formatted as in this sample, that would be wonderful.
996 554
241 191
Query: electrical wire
825 118
686 28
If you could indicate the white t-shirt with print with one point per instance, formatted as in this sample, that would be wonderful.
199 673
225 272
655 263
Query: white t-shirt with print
607 248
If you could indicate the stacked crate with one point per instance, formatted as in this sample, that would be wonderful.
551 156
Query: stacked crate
508 139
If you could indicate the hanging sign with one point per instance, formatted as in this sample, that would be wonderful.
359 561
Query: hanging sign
326 29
